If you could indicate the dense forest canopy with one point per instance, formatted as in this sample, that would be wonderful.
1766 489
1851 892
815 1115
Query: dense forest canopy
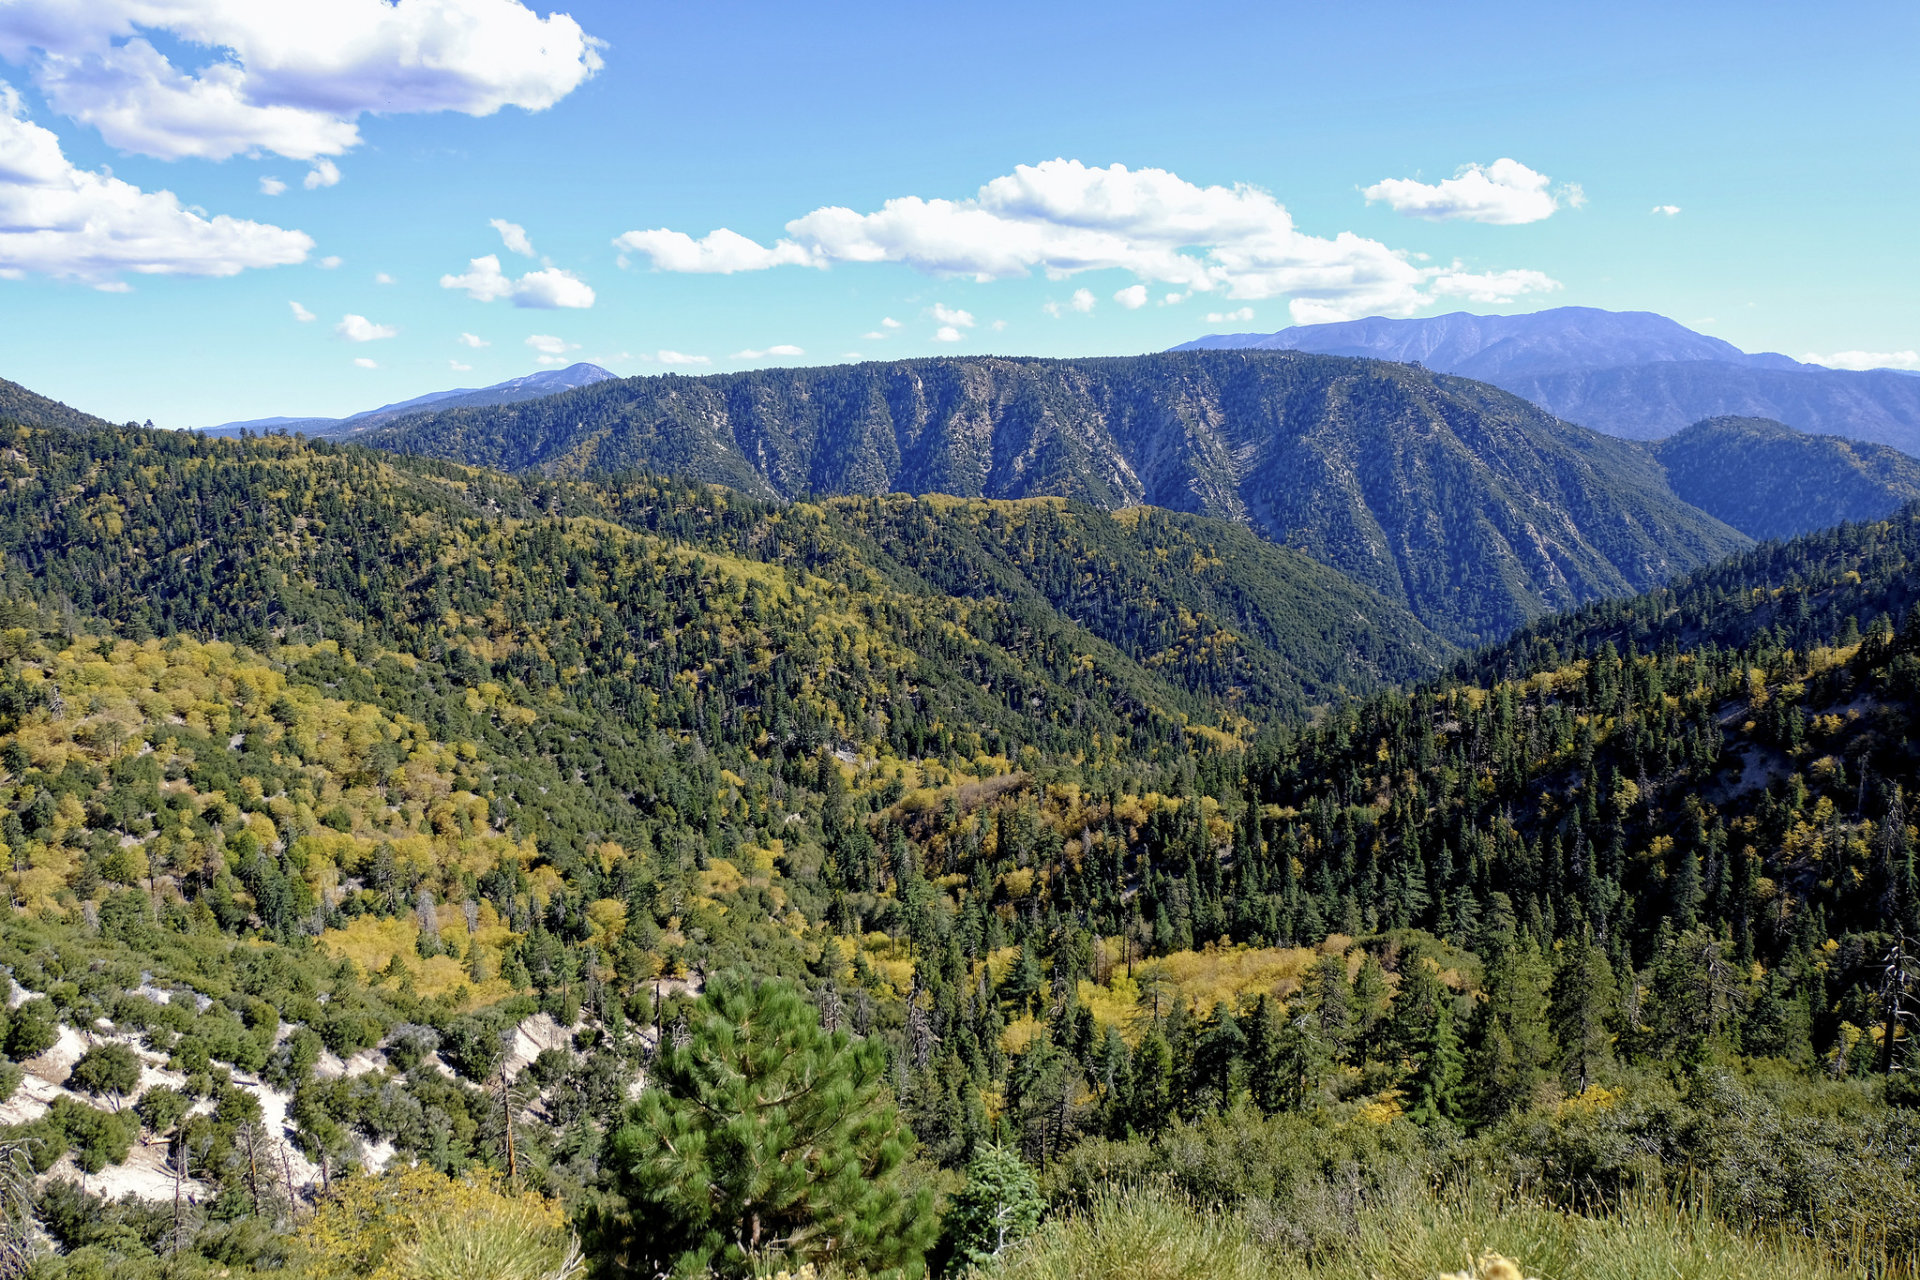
895 869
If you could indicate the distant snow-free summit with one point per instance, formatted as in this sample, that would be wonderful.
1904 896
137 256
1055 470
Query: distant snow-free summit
1627 373
527 387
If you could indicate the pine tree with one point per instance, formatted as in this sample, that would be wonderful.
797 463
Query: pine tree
1514 1043
762 1138
1000 1204
1266 1076
1372 1003
1584 999
1149 1106
1422 1035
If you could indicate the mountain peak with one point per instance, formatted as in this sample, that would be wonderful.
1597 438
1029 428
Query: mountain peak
528 386
1627 373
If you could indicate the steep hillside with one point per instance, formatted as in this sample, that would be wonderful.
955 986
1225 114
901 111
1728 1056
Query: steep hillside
17 404
1769 481
1468 506
364 810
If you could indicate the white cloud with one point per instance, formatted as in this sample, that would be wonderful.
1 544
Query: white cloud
60 220
998 325
329 262
457 367
271 186
1666 210
325 173
947 333
473 340
1062 218
514 236
301 314
1081 301
547 289
952 316
679 357
1133 297
784 349
1505 193
1173 299
874 335
291 77
888 322
547 344
365 363
381 277
1228 317
1490 286
360 329
552 288
721 252
1867 360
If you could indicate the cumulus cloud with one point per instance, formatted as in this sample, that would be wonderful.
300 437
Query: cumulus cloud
301 314
457 367
60 220
292 77
679 357
365 363
888 322
360 329
514 236
547 344
1666 210
1489 286
1867 360
329 262
325 173
1081 301
784 349
953 316
947 333
1133 297
1062 217
473 340
547 289
721 252
381 277
271 186
1228 317
1505 193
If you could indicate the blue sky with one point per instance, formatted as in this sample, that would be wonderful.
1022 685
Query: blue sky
1251 139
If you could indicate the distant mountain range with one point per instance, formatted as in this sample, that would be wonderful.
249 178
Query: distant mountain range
529 387
1627 373
1460 501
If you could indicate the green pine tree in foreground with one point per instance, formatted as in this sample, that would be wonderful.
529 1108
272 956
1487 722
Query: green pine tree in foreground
765 1139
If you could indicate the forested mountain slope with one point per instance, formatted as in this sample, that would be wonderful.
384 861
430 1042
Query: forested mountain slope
1769 481
323 772
1465 504
19 405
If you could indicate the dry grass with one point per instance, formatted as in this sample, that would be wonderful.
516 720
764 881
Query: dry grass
1150 1235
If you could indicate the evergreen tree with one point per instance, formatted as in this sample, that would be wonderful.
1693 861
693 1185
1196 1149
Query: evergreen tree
1583 1006
1000 1204
1513 1043
1149 1107
763 1138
